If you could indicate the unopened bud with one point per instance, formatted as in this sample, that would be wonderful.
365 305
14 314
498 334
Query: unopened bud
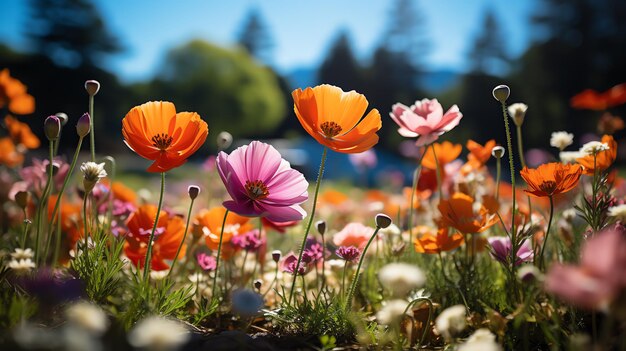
193 191
529 274
83 125
517 112
224 139
276 254
21 199
63 117
257 284
383 221
497 152
501 93
321 227
92 87
52 127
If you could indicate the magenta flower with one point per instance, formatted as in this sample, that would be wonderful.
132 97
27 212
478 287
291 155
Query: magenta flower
599 278
261 183
501 250
289 264
206 262
250 241
425 120
348 253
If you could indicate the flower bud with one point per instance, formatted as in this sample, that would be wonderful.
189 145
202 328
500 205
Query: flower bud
92 87
193 191
52 127
276 254
497 152
321 227
257 284
517 112
63 117
21 199
224 139
383 221
83 125
501 93
529 274
92 173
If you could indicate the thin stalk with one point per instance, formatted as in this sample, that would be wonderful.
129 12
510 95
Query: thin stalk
60 195
545 239
146 265
323 262
438 172
430 311
512 170
112 179
358 269
320 174
26 225
180 246
520 147
92 130
219 253
85 221
416 176
44 199
498 175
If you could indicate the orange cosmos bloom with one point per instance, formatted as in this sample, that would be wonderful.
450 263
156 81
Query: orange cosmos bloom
13 95
21 132
479 154
604 159
551 178
123 193
429 243
458 212
9 155
333 118
446 152
156 132
209 222
168 235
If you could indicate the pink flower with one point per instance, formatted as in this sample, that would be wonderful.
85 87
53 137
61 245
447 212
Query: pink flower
599 278
425 120
289 264
365 159
261 183
353 234
501 250
206 262
348 253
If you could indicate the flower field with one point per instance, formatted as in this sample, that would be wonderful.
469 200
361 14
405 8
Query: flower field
245 252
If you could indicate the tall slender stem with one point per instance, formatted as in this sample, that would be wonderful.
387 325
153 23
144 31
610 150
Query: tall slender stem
416 176
498 176
358 270
57 204
438 172
512 170
44 198
112 179
92 131
520 146
85 222
545 239
320 174
146 265
180 246
219 253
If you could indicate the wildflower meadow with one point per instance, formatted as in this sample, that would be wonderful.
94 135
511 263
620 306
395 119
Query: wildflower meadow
245 252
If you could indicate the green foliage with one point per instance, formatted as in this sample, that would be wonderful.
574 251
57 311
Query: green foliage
15 306
226 87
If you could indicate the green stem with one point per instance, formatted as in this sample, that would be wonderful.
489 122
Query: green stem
146 265
26 225
430 312
358 270
308 227
85 222
498 175
44 199
92 131
112 179
545 239
416 176
512 170
438 172
180 246
60 195
520 147
219 253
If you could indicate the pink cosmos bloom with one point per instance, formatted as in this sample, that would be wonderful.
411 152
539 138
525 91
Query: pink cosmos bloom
250 241
261 183
425 120
348 253
353 234
206 262
501 250
600 276
289 264
280 227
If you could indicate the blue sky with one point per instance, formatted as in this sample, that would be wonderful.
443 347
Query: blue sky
302 30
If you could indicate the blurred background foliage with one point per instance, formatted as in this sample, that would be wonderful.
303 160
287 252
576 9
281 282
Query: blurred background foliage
577 44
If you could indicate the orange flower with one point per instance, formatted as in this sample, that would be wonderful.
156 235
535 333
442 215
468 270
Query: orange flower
70 218
21 132
333 118
604 159
9 155
446 152
459 213
209 222
551 178
13 94
593 100
429 243
170 232
156 132
123 193
479 155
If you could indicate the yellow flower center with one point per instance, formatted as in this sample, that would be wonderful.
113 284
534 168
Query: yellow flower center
257 190
162 141
330 129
